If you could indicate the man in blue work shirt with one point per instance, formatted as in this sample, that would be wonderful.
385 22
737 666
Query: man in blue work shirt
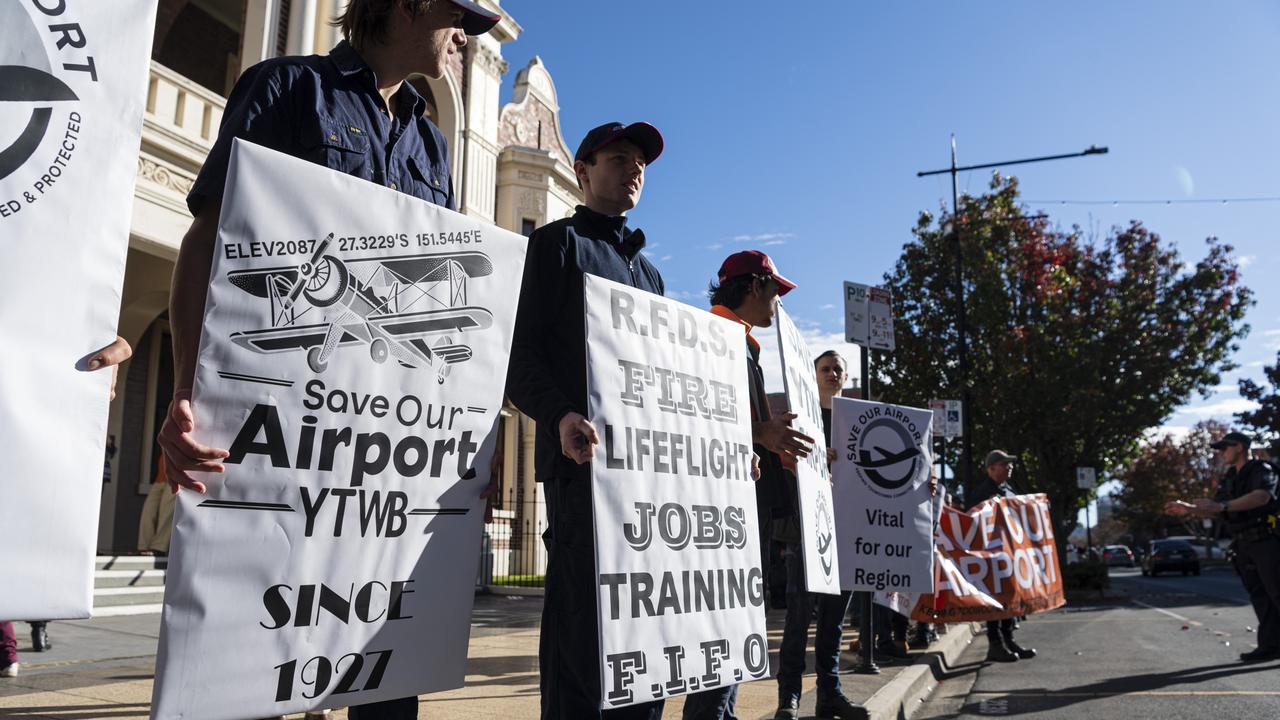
351 111
547 380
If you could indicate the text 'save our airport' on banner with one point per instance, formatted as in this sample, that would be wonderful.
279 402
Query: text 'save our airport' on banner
73 80
352 339
681 594
884 513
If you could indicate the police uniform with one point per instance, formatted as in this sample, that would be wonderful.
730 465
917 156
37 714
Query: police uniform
1257 548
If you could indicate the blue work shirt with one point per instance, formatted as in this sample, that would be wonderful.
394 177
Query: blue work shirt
547 373
327 109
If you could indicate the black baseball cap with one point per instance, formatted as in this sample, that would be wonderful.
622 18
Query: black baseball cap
645 136
1232 438
478 19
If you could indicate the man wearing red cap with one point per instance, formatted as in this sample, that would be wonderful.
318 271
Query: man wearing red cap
351 111
547 380
747 293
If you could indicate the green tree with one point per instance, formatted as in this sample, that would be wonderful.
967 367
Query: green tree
1076 348
1266 418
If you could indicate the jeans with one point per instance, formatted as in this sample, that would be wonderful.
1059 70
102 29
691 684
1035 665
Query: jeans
795 632
8 644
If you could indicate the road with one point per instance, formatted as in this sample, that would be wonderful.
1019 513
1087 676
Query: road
1170 653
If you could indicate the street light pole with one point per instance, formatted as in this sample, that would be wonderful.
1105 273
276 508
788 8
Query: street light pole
962 324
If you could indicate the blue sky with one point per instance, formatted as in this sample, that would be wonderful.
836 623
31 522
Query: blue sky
798 128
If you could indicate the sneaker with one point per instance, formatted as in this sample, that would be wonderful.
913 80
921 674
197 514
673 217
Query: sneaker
10 670
838 706
997 652
895 649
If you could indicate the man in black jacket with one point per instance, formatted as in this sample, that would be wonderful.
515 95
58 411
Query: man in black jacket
1246 502
547 380
1001 645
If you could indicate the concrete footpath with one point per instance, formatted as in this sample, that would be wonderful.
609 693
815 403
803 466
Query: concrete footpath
103 668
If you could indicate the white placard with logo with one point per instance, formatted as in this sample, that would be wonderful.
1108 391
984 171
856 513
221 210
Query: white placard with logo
813 478
351 341
72 86
681 593
1086 478
884 513
855 313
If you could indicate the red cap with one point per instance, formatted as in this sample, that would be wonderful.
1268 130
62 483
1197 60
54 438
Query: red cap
753 262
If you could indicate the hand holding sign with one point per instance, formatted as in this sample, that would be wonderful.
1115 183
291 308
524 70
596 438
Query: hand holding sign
777 435
578 438
181 451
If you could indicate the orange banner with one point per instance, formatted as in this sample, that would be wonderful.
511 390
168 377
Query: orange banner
996 561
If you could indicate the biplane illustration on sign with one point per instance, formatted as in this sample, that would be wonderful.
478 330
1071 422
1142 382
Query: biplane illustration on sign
394 305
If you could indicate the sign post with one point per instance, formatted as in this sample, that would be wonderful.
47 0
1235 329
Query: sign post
1086 479
868 323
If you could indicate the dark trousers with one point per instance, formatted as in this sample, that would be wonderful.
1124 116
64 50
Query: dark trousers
830 610
401 709
8 644
890 626
569 644
1000 630
1259 566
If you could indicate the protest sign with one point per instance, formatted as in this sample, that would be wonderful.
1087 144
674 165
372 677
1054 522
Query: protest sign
681 596
813 478
884 515
354 346
996 561
72 85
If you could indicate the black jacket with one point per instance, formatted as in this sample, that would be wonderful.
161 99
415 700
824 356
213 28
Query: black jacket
547 375
988 489
1255 475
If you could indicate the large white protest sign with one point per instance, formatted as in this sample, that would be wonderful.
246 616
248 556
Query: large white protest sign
884 514
813 478
72 85
681 593
352 358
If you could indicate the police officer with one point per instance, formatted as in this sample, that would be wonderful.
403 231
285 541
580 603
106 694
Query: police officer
1246 501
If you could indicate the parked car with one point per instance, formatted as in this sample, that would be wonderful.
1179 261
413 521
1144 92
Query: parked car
1165 555
1117 555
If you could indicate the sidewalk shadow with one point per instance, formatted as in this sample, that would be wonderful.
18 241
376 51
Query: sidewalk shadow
79 712
1047 700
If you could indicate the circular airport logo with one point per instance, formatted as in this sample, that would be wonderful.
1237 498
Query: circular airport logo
28 88
824 526
887 456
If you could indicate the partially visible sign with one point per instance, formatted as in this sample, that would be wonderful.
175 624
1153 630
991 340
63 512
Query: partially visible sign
73 86
677 539
880 319
1086 478
947 420
996 561
855 313
884 513
813 477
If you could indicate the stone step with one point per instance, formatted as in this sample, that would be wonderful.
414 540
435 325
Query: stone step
128 578
114 596
130 562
